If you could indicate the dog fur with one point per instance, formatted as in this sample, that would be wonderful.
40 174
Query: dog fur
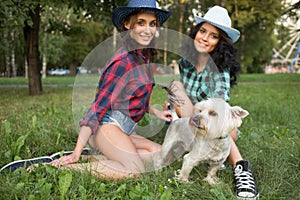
205 136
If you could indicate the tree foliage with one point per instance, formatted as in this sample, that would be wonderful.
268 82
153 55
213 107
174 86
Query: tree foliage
63 32
29 15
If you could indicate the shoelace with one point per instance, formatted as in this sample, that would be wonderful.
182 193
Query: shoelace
244 179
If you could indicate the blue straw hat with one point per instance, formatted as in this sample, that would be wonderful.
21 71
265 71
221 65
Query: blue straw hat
218 16
120 13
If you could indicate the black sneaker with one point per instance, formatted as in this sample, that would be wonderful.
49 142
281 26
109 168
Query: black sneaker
245 185
10 167
85 151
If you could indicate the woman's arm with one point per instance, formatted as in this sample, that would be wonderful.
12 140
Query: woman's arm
83 137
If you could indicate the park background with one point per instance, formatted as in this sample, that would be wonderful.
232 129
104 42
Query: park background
36 115
38 37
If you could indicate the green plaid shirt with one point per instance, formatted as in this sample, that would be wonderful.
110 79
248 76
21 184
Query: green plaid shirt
209 83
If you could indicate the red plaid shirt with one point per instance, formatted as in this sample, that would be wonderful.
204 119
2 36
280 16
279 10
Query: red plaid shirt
125 85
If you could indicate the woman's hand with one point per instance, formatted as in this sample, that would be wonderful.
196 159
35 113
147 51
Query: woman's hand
165 114
65 160
83 137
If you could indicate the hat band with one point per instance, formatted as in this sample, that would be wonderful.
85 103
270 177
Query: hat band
142 6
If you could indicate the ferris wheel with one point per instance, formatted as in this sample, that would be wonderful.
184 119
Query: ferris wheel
289 52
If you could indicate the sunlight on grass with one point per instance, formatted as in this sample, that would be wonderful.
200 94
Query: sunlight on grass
42 125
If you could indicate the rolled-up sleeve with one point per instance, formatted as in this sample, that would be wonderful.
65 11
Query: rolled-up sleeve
90 120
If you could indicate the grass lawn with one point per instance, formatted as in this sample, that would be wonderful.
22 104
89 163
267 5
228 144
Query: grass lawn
42 125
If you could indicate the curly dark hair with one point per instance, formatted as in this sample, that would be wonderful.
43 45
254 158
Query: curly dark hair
224 55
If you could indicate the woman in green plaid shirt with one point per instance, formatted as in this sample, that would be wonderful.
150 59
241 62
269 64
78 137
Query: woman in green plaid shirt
207 70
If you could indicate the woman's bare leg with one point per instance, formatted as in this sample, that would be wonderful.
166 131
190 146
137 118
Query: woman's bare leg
122 156
92 142
234 155
93 157
101 169
146 148
118 147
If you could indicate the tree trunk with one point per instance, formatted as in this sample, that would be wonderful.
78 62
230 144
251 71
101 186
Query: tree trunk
7 65
73 66
31 34
13 60
26 67
6 56
44 70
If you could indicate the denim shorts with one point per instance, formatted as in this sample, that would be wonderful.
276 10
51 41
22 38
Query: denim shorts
125 123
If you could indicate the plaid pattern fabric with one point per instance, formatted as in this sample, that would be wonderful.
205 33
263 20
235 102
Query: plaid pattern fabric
125 85
209 83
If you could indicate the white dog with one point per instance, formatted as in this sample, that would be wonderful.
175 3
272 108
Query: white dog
205 135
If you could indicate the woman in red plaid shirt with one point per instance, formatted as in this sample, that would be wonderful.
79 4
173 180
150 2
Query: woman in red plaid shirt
123 98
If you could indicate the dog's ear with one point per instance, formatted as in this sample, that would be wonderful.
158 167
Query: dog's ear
237 111
237 114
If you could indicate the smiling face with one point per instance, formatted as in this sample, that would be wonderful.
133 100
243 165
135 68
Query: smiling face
143 28
206 38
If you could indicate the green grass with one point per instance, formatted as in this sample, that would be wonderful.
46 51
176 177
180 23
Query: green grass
42 125
54 80
270 78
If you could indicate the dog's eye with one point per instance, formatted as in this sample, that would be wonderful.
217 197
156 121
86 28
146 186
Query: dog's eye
213 113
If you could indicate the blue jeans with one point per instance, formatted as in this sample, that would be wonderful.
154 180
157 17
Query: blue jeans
125 123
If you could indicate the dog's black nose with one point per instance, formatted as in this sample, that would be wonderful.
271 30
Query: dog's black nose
200 121
196 121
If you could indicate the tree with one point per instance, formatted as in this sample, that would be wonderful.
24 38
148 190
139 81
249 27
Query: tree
31 35
256 21
28 15
91 23
10 45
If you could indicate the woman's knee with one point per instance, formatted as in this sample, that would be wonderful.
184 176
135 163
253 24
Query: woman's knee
118 147
92 142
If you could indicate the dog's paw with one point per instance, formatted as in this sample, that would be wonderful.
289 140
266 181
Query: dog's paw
179 177
157 165
158 170
177 174
211 180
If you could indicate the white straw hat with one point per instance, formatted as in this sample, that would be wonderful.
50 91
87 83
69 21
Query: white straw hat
218 16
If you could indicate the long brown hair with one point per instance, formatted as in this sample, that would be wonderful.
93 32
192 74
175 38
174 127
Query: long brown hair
131 45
